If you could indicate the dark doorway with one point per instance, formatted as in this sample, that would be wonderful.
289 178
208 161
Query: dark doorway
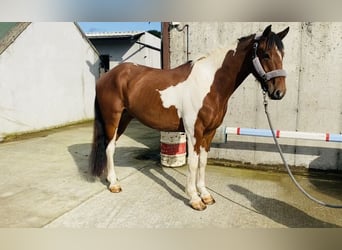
104 62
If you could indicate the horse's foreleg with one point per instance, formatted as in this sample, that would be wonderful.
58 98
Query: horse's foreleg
205 195
191 190
114 185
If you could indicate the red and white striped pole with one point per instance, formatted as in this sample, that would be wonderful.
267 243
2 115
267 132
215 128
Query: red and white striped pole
329 137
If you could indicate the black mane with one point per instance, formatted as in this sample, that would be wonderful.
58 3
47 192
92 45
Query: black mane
241 39
274 39
271 40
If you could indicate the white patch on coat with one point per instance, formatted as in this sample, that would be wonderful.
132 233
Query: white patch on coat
187 96
279 53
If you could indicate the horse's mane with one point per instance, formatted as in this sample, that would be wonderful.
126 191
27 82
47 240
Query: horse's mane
211 55
272 39
244 38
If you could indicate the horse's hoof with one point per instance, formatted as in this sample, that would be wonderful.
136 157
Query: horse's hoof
208 200
115 188
198 205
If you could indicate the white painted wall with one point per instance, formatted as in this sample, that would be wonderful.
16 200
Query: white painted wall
152 57
47 79
129 51
313 103
140 54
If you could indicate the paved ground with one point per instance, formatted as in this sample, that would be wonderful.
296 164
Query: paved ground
44 183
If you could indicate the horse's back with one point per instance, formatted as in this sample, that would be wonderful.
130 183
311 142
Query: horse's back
129 79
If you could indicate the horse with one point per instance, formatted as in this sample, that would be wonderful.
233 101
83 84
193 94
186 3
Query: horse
190 98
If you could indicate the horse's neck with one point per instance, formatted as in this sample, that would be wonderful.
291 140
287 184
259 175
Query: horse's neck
236 67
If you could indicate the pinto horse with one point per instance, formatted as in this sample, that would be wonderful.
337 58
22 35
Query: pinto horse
192 98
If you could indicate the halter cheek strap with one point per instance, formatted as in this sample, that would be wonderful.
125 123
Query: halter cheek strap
269 75
260 70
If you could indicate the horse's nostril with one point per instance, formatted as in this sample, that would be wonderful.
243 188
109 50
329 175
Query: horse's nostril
277 94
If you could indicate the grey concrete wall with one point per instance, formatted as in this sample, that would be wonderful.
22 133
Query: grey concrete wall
47 79
313 103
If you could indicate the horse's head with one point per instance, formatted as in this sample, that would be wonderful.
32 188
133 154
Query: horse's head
268 53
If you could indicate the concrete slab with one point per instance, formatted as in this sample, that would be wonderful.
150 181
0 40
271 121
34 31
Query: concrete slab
43 183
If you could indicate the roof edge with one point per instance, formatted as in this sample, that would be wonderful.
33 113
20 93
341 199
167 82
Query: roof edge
12 35
84 36
115 35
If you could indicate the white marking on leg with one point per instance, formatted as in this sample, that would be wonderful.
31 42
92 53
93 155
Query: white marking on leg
201 173
190 189
110 150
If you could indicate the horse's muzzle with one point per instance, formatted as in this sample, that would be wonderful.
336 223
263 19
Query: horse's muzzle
277 94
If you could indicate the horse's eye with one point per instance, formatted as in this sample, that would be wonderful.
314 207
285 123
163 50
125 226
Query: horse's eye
266 56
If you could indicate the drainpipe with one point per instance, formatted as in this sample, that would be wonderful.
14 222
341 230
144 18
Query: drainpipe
179 29
166 27
165 45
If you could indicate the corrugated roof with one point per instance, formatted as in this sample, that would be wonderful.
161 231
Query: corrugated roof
115 35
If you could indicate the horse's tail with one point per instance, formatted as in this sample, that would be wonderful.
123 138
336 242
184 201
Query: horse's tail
98 159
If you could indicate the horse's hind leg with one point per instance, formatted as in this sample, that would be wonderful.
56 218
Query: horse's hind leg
112 130
120 122
124 121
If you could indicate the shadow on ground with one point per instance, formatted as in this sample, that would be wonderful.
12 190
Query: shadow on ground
280 211
80 154
126 157
326 182
166 177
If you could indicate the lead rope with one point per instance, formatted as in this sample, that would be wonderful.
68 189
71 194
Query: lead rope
287 166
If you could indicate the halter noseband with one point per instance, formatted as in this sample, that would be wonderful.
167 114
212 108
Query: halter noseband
260 70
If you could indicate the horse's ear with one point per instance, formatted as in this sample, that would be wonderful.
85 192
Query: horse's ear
267 31
283 33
